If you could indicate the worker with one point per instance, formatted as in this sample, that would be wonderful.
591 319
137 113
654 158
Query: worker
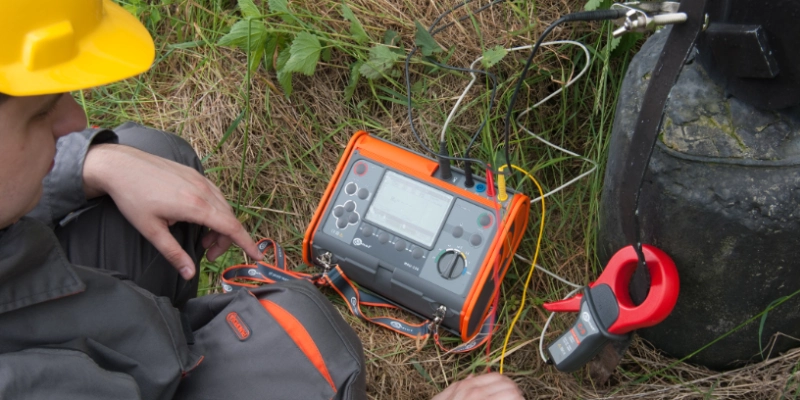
101 232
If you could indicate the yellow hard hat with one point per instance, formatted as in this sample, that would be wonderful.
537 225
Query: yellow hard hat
55 46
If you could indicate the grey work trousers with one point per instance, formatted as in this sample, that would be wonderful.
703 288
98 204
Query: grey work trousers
102 238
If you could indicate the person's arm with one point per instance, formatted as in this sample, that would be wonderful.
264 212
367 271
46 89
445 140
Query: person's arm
63 187
492 386
46 373
154 193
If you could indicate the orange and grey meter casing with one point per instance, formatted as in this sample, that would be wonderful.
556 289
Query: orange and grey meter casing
398 230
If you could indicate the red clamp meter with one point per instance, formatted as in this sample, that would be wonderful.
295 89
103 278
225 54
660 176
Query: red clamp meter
606 311
397 229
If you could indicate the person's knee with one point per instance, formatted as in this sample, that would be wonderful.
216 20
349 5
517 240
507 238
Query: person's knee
163 144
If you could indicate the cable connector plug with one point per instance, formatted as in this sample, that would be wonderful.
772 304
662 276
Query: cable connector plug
444 162
468 181
502 194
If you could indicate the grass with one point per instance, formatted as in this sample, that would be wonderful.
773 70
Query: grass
273 154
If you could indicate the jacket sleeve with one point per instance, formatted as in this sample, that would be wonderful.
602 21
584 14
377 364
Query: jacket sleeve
63 186
46 373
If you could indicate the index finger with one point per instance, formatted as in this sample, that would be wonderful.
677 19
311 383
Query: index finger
226 224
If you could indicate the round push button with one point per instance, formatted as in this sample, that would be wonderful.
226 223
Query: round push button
475 240
363 193
400 245
341 223
484 220
367 230
350 188
338 211
353 218
349 206
361 168
417 253
458 232
383 238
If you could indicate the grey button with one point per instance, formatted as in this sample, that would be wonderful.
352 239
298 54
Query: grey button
458 232
383 238
417 253
353 218
363 193
350 188
400 245
485 220
349 205
361 168
367 230
338 211
341 223
475 240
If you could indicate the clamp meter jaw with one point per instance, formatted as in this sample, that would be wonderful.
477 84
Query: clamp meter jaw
397 229
606 311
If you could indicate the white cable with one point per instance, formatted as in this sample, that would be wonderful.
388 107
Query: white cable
475 78
548 272
550 96
546 324
541 139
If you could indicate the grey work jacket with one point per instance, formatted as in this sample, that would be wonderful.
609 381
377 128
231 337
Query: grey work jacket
70 332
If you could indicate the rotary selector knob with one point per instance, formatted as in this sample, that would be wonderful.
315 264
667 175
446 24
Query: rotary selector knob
451 264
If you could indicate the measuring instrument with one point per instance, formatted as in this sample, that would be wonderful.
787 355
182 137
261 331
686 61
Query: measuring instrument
606 311
428 245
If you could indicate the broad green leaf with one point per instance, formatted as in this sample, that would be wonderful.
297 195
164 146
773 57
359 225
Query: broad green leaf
240 32
626 42
356 29
592 5
249 9
281 7
614 43
155 16
269 51
355 74
284 77
425 41
132 8
326 54
304 52
381 59
254 58
597 5
391 37
493 56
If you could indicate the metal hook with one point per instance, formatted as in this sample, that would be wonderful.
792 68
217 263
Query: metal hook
646 16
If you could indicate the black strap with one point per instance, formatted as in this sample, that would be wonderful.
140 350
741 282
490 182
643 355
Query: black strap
679 44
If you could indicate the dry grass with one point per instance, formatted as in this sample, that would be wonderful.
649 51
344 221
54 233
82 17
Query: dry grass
290 148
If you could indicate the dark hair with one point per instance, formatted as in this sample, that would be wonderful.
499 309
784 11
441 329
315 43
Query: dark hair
3 97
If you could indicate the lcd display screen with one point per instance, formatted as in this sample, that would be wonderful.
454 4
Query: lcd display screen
409 208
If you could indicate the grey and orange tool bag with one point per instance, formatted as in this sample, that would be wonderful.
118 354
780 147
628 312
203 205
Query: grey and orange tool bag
312 352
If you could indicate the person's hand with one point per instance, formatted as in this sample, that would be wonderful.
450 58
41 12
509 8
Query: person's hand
154 193
492 386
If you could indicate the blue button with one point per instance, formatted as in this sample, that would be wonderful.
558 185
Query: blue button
480 188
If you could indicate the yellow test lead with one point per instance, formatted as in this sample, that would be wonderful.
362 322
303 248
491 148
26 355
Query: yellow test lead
502 193
533 263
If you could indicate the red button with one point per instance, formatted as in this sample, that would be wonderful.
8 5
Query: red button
360 168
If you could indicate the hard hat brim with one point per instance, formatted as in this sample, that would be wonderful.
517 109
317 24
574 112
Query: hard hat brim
120 47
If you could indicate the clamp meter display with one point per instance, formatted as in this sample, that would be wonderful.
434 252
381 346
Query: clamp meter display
397 229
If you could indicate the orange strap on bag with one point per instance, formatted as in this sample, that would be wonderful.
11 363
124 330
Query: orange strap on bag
253 275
